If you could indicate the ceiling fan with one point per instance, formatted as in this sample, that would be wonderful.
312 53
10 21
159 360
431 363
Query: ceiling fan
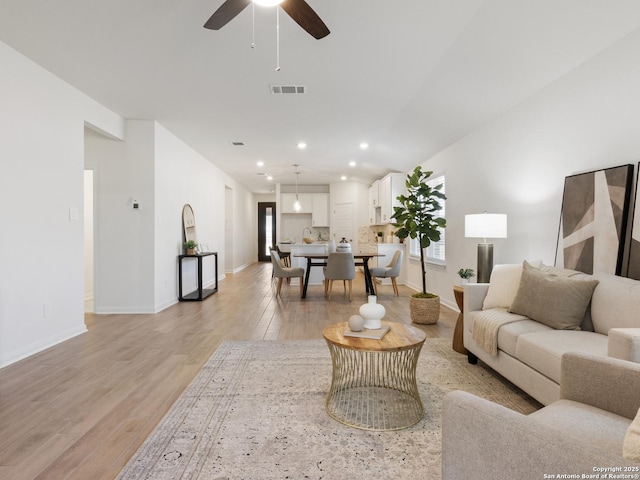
298 10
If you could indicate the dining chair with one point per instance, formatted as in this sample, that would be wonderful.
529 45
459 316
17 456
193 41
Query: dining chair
285 256
281 272
340 266
390 271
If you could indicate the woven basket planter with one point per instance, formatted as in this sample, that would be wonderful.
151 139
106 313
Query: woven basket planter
424 311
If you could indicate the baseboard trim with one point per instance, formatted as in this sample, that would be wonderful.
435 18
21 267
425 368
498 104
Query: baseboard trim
13 357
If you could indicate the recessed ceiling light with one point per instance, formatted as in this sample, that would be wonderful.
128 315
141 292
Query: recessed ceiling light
352 163
343 178
260 163
364 146
269 177
302 145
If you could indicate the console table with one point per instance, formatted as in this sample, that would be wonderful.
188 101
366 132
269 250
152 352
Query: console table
200 293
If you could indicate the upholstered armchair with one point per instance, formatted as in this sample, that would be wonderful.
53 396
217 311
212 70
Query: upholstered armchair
587 429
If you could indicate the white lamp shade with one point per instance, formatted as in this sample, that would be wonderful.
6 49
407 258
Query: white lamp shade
485 225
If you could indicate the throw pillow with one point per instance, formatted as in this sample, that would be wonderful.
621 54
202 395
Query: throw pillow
503 285
631 444
557 301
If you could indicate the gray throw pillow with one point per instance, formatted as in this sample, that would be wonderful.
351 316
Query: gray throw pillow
557 301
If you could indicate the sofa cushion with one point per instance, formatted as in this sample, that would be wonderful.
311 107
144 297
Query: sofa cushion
508 334
543 351
503 285
615 303
603 430
555 300
631 444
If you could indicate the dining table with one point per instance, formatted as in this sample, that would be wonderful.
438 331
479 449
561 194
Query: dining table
320 260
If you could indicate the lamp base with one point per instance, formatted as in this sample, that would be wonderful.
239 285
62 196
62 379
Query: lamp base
485 262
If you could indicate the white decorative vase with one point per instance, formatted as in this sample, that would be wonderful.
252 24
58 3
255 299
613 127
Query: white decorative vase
356 323
372 312
464 281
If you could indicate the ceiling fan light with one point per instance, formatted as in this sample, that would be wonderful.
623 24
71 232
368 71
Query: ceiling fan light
268 3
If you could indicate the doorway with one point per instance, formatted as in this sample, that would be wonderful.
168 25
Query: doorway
266 230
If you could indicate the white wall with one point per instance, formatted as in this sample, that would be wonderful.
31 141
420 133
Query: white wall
137 249
124 246
587 120
184 176
49 131
88 240
41 182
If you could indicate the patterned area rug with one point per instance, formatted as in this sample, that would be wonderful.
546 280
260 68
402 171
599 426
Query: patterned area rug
256 411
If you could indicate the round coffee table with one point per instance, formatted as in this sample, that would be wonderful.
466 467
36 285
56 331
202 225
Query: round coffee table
373 385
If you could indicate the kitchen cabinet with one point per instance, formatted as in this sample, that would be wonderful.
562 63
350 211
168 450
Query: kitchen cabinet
320 209
374 194
374 203
390 187
287 200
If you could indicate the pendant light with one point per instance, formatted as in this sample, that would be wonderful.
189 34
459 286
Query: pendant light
296 205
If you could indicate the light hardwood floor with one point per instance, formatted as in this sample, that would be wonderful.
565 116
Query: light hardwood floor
81 409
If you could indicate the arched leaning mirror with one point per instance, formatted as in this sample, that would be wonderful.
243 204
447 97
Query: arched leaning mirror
189 224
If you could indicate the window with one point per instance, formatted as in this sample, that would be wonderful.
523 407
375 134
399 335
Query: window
435 253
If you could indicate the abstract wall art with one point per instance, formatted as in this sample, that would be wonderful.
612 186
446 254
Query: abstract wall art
633 270
593 221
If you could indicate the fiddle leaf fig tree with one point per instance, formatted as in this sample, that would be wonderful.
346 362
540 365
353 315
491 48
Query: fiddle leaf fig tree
416 215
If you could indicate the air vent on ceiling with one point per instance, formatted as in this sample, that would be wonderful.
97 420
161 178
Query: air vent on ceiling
287 89
238 144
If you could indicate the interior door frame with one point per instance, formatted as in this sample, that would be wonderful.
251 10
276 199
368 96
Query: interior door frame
262 233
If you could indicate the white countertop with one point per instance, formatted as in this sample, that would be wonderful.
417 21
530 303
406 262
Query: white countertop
288 247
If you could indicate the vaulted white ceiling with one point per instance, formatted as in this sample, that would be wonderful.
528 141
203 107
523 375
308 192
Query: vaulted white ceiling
409 77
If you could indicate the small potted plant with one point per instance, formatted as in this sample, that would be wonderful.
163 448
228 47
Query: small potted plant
190 246
465 274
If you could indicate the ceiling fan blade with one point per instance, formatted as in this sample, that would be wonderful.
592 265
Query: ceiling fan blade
304 16
227 11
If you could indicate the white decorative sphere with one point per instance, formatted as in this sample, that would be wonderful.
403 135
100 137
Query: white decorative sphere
356 323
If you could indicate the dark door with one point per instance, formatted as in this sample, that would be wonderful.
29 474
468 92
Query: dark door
266 230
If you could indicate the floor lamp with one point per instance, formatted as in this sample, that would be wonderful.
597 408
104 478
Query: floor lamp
485 225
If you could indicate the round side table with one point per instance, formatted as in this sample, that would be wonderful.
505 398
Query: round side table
373 386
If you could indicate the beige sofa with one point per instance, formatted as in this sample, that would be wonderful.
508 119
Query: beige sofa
527 349
588 433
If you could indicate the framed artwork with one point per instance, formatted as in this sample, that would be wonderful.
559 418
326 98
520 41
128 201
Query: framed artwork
593 221
633 270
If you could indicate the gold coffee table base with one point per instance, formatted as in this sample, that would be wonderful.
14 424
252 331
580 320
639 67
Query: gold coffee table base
373 386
